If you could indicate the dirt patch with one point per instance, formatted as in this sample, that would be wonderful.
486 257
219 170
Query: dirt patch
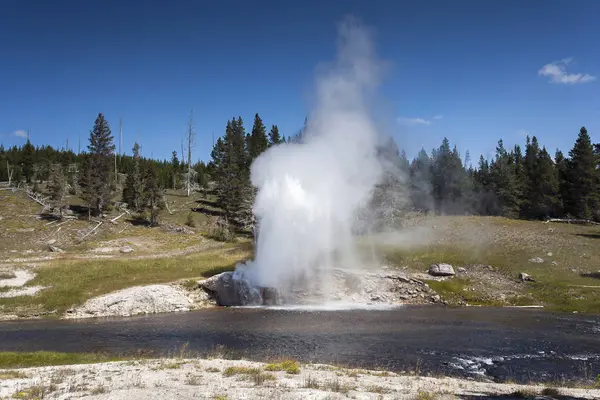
21 277
25 291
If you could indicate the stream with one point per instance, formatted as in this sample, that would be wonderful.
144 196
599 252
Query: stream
522 345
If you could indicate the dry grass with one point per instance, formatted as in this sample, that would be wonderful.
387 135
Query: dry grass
45 358
13 375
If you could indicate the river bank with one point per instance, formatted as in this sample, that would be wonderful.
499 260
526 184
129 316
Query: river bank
238 379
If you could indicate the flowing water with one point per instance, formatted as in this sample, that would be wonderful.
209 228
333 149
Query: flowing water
495 343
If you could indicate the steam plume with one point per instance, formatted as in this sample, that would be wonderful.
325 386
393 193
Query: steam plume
309 192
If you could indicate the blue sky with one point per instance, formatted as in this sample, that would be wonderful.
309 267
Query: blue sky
474 71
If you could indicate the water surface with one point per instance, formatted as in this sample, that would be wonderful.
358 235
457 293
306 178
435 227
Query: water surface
495 343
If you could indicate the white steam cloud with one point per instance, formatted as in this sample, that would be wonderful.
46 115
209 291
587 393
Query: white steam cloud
309 193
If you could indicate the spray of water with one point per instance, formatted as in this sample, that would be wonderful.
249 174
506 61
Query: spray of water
309 192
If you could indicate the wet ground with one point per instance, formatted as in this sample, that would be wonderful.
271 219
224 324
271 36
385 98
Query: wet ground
523 345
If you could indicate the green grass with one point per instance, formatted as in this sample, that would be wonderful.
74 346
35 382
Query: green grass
73 282
289 366
46 358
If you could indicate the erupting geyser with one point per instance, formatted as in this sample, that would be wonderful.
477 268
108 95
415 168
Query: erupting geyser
309 192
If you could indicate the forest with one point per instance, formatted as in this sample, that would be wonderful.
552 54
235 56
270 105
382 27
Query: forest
526 183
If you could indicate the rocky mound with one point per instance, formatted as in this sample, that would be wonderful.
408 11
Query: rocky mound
338 285
136 300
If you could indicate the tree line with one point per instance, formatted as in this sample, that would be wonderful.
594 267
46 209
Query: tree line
515 184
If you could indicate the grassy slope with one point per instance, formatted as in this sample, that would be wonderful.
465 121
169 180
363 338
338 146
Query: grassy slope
508 245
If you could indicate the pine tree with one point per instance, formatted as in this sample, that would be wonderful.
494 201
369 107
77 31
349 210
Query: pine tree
274 137
258 138
58 189
504 183
175 170
549 204
420 182
582 174
448 179
27 161
563 184
132 192
152 196
99 183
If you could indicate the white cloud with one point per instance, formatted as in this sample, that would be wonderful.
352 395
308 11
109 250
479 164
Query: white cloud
557 72
20 133
413 121
439 116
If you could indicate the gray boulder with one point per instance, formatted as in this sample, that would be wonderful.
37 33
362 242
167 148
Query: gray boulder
228 291
441 270
126 249
524 277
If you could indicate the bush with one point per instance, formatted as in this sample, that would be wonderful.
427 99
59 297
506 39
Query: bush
189 221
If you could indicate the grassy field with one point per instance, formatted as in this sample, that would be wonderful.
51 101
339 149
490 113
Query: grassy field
566 280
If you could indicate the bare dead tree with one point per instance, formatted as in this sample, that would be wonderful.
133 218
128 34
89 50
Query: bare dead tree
190 142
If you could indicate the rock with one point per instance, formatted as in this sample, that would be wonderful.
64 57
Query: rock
524 277
536 260
461 269
55 249
436 298
554 263
228 291
441 270
126 249
51 241
549 254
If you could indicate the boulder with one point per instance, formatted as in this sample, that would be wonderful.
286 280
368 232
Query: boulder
462 270
536 260
228 291
126 249
441 270
55 249
524 277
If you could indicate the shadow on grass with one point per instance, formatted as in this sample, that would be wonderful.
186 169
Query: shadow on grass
218 269
137 221
595 275
589 235
204 210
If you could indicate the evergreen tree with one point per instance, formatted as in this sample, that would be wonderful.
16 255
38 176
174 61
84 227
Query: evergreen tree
99 183
274 137
420 182
560 163
503 175
132 192
549 204
175 170
258 138
448 179
58 189
27 161
582 174
152 195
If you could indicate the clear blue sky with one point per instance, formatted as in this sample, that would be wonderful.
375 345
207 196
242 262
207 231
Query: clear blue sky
468 70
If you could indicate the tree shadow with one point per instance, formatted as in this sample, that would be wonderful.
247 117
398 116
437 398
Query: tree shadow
138 221
589 235
204 210
594 275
